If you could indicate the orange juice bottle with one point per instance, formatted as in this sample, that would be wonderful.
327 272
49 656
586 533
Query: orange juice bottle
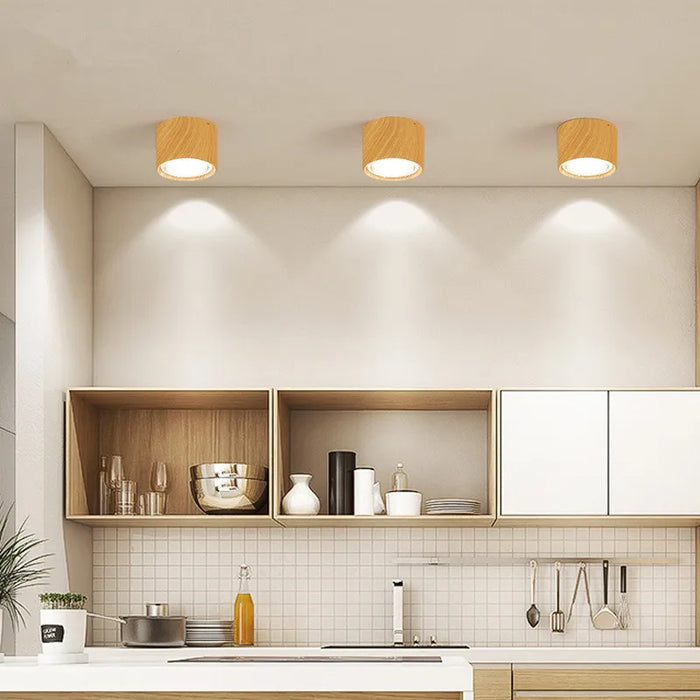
243 612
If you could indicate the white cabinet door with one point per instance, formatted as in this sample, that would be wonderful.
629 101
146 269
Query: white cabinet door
654 452
554 453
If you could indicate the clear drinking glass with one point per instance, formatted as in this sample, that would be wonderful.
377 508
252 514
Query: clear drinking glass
159 477
154 503
116 471
126 498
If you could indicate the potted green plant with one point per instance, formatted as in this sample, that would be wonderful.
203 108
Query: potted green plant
21 566
63 626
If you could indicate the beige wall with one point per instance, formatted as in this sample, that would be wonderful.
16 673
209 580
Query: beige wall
54 346
394 286
7 219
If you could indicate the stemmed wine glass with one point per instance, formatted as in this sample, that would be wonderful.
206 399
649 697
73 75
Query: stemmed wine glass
159 484
159 477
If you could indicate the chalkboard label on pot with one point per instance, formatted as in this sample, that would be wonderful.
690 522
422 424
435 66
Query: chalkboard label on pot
52 633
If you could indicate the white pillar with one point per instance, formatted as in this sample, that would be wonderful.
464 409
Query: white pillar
53 228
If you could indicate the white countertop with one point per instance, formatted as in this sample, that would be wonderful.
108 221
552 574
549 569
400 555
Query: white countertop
148 671
115 669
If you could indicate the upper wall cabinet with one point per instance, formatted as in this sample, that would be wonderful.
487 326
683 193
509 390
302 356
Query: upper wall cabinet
655 452
181 427
445 438
554 453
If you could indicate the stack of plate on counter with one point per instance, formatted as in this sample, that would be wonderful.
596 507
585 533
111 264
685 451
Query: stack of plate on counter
452 506
208 633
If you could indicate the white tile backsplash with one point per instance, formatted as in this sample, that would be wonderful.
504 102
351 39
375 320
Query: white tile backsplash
323 586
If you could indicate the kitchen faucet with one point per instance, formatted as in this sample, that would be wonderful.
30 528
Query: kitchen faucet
398 613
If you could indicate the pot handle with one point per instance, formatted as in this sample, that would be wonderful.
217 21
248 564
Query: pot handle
105 617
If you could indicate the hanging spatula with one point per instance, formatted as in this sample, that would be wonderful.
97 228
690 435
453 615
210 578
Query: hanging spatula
558 619
605 618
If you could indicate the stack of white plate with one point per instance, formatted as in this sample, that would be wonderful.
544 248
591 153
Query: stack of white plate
452 506
208 633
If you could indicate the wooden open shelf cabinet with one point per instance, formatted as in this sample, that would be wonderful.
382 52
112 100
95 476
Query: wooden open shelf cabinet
178 426
307 420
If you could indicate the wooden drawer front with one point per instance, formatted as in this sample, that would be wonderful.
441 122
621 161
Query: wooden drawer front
573 695
605 680
492 684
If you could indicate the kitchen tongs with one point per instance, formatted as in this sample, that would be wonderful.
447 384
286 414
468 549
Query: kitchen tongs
582 571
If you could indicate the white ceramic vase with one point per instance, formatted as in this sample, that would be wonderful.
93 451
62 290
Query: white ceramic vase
300 499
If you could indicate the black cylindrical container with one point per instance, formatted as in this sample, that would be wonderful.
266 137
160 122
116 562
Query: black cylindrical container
341 465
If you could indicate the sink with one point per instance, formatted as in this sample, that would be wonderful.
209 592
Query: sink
391 646
309 659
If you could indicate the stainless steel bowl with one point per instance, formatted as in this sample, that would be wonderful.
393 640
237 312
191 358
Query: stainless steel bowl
229 495
216 470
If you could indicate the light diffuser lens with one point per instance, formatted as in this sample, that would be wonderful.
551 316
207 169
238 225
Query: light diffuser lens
393 168
587 167
186 168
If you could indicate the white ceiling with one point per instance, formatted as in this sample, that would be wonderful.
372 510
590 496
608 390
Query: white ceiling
290 83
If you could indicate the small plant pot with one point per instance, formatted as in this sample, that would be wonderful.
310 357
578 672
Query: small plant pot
63 632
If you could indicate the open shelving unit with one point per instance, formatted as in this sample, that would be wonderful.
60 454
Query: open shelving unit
444 437
181 427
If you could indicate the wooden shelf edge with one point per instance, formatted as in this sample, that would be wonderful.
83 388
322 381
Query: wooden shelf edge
220 521
382 521
382 399
597 521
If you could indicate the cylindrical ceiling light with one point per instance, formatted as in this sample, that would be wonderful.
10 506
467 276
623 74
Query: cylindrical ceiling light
587 148
393 148
186 148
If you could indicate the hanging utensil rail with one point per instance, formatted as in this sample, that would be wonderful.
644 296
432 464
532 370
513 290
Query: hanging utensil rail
486 560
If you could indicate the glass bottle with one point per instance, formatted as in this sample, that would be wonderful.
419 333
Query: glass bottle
105 498
243 612
399 479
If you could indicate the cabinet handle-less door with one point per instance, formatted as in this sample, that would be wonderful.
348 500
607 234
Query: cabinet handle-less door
554 453
655 452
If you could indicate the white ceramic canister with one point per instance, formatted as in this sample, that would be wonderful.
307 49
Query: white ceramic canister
300 499
63 631
363 483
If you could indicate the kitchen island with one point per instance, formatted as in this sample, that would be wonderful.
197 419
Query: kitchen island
433 676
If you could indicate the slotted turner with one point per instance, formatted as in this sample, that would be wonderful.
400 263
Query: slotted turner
558 619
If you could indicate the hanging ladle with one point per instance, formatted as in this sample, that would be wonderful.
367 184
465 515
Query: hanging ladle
533 614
